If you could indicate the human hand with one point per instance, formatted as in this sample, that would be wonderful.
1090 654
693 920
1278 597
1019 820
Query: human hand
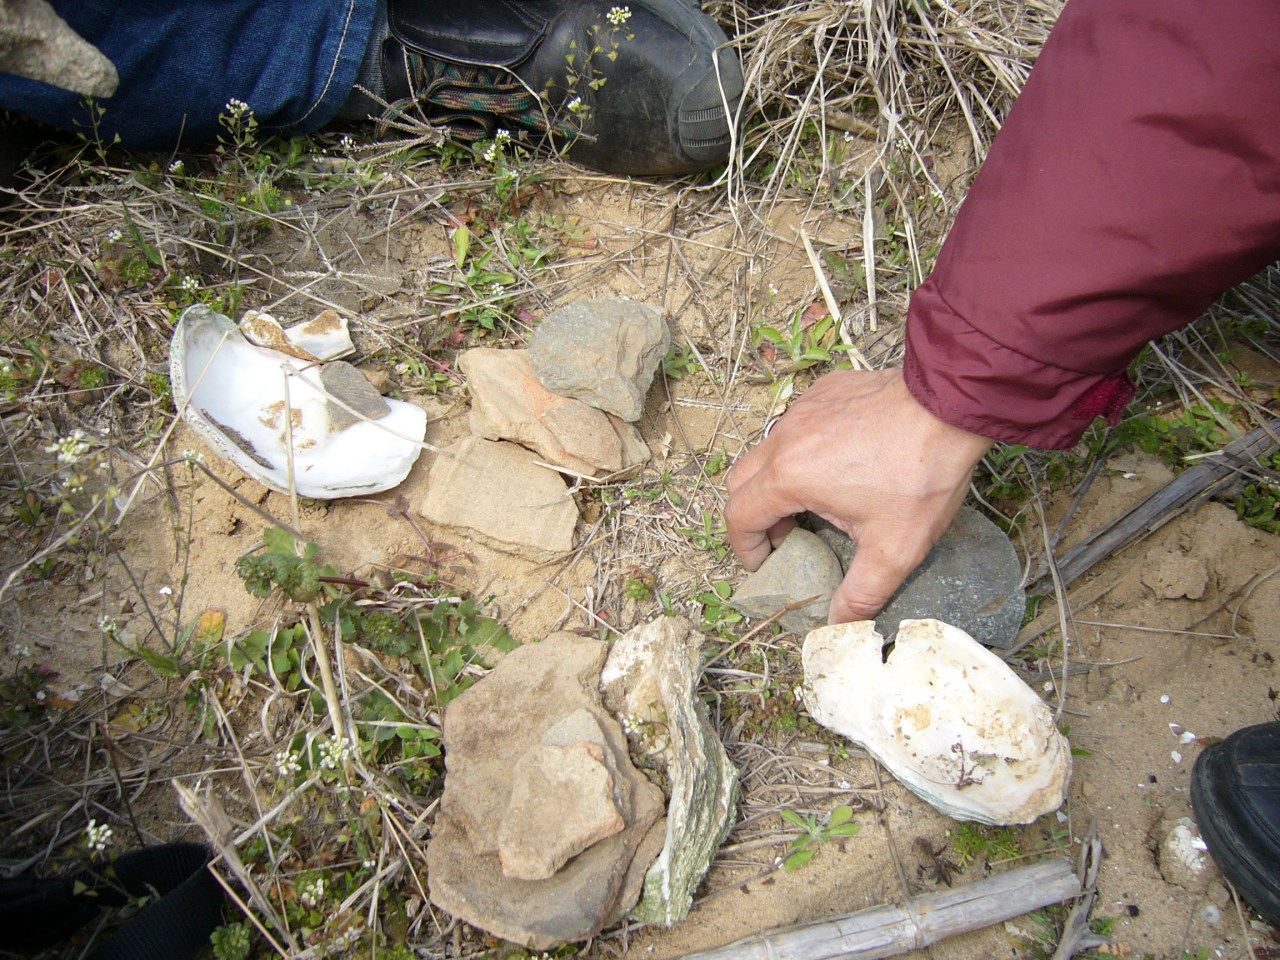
858 450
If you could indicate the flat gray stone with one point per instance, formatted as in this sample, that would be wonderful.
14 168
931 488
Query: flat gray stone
650 680
971 579
498 494
346 383
535 695
802 566
603 352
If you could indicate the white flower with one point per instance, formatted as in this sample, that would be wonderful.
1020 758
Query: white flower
288 764
491 153
177 166
576 106
97 836
108 625
189 284
115 235
165 591
334 752
237 108
311 892
618 15
69 448
21 650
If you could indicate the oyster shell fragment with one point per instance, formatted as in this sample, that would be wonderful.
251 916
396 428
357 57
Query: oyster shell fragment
249 402
943 714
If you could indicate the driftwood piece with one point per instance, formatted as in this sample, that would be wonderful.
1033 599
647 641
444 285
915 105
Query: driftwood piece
891 930
1187 491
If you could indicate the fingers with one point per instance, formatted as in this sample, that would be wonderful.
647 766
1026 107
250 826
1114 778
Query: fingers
750 524
877 571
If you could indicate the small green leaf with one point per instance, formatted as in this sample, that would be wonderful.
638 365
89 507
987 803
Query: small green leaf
461 245
798 859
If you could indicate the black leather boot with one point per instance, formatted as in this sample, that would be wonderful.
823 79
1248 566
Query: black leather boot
642 87
1235 793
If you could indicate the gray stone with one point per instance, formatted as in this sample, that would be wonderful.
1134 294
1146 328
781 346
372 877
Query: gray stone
972 579
650 680
802 566
359 398
498 494
38 44
530 698
562 801
509 403
603 352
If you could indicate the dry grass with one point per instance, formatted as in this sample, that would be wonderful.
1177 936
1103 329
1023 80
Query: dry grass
866 113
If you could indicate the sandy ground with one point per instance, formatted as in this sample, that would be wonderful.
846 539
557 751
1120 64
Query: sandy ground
1182 632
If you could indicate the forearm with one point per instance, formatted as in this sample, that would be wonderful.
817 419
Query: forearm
1136 178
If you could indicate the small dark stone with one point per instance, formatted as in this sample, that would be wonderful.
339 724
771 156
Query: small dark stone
349 385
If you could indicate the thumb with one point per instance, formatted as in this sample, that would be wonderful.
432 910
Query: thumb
873 577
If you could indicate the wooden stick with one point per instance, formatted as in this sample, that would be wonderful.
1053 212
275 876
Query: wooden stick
890 931
1185 492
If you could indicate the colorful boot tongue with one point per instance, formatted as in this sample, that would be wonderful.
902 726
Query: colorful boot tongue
646 88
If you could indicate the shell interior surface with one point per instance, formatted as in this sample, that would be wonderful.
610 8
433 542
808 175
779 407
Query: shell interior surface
943 714
248 403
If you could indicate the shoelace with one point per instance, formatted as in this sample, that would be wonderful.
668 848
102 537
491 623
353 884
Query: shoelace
475 99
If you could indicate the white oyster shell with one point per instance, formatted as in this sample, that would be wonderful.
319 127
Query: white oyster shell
233 394
946 716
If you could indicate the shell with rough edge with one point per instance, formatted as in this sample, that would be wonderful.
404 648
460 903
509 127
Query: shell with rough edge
233 394
946 716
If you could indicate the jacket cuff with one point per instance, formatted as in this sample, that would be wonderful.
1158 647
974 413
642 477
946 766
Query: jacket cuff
965 378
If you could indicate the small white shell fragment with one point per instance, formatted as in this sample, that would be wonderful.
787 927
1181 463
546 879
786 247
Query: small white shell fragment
326 336
946 716
233 395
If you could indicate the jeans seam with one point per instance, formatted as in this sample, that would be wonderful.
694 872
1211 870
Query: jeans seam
333 69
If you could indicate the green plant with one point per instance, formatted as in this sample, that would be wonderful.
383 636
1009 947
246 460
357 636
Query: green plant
838 823
718 618
805 342
679 362
709 535
296 575
24 695
973 842
639 587
232 941
1258 504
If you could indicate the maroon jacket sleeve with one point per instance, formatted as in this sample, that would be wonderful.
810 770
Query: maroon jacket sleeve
1136 178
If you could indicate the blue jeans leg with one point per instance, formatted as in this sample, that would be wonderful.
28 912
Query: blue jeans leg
293 62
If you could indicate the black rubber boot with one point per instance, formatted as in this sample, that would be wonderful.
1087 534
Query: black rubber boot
643 87
1235 793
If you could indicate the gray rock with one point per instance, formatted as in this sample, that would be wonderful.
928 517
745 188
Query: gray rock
498 494
650 680
603 352
509 403
38 44
971 579
360 398
519 707
802 566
